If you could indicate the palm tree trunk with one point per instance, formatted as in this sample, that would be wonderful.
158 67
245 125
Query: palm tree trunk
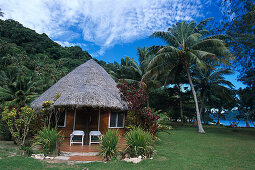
194 120
202 102
181 106
199 123
253 118
247 119
218 122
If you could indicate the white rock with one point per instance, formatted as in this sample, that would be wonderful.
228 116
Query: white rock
140 157
133 160
62 157
49 157
38 156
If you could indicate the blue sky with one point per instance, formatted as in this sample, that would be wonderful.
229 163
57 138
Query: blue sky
108 29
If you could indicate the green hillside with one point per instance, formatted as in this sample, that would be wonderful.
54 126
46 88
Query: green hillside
32 62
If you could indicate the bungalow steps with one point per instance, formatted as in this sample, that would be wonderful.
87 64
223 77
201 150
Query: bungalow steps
79 153
80 157
87 159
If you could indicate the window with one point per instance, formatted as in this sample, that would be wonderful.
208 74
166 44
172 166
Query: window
116 120
61 118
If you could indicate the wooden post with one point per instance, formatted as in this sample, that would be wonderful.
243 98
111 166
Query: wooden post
74 119
98 124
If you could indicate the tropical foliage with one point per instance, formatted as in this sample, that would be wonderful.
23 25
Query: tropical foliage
18 121
139 143
31 62
109 144
50 139
211 82
246 104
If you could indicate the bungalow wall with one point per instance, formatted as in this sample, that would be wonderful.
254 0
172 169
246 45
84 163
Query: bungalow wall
87 120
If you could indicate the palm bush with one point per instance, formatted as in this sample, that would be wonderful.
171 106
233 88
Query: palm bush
139 143
109 144
50 139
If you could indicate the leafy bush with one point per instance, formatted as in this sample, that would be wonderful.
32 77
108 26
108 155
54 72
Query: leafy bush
27 150
140 143
50 139
18 121
109 144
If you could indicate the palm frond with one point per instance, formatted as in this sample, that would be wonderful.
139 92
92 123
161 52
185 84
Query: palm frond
167 37
203 23
205 43
197 59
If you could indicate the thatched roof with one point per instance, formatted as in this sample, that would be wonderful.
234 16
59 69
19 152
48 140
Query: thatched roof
89 85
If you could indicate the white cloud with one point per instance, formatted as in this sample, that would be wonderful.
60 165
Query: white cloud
102 22
68 44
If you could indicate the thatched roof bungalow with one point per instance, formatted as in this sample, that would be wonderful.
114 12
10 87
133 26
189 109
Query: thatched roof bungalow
90 99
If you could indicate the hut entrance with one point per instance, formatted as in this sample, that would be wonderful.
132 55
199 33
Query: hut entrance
86 120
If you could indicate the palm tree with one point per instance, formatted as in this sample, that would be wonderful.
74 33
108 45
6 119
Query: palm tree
246 102
187 44
145 56
130 71
211 80
20 91
127 70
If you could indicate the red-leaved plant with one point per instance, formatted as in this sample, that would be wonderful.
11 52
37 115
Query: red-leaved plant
139 115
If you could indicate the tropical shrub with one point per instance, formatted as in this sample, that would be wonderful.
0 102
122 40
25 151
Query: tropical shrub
47 112
140 143
18 121
109 144
27 150
139 114
50 139
137 98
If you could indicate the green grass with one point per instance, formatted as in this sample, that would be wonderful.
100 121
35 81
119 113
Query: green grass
26 163
219 148
7 148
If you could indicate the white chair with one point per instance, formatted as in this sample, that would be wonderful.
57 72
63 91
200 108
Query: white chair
77 133
97 134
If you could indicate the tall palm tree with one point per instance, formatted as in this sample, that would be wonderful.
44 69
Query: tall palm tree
188 44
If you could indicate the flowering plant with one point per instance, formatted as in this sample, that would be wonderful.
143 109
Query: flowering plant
47 112
47 104
139 114
18 121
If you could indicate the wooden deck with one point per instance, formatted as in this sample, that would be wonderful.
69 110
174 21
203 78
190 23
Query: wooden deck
78 152
65 147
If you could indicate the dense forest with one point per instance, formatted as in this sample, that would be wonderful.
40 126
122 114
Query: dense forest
32 62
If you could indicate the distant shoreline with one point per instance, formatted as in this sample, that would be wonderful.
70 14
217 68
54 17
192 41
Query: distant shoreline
242 123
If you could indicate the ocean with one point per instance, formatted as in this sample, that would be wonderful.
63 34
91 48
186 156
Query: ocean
242 123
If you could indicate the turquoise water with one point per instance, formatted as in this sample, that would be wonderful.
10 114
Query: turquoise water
242 123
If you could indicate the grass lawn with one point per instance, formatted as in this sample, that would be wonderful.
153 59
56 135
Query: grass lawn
7 148
219 148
